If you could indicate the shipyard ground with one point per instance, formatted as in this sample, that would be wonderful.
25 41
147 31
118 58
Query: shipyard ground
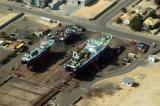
71 95
50 72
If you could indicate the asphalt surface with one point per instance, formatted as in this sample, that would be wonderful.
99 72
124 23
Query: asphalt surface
98 25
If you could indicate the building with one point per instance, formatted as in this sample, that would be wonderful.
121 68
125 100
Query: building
150 23
80 2
39 3
128 81
153 58
146 12
27 2
36 3
158 12
55 4
127 17
19 1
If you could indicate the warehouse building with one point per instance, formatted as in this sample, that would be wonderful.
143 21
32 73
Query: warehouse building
36 3
53 3
80 2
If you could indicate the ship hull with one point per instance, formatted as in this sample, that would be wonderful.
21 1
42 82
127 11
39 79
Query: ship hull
38 59
80 68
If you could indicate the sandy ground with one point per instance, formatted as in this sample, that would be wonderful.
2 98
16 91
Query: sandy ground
143 4
41 21
110 92
3 1
6 15
29 23
88 12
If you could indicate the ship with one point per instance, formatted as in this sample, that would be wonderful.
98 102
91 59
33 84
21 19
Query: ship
70 32
88 54
38 53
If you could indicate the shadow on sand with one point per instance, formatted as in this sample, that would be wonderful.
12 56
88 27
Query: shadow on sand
47 62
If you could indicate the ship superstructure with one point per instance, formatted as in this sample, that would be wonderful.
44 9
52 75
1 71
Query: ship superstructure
92 49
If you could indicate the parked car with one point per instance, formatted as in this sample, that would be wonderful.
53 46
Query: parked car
142 46
10 9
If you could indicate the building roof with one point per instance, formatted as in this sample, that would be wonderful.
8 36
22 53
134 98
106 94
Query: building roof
142 10
128 16
151 21
154 56
128 80
158 12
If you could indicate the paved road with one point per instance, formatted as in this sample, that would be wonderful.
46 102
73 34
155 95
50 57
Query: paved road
98 25
113 11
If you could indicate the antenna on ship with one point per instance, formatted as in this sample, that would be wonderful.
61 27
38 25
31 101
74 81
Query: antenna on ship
75 55
45 39
41 42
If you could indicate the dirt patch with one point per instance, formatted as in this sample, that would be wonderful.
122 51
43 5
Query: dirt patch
6 16
89 12
29 23
108 89
42 21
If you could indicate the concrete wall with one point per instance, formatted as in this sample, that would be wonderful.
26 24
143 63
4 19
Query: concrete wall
11 20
